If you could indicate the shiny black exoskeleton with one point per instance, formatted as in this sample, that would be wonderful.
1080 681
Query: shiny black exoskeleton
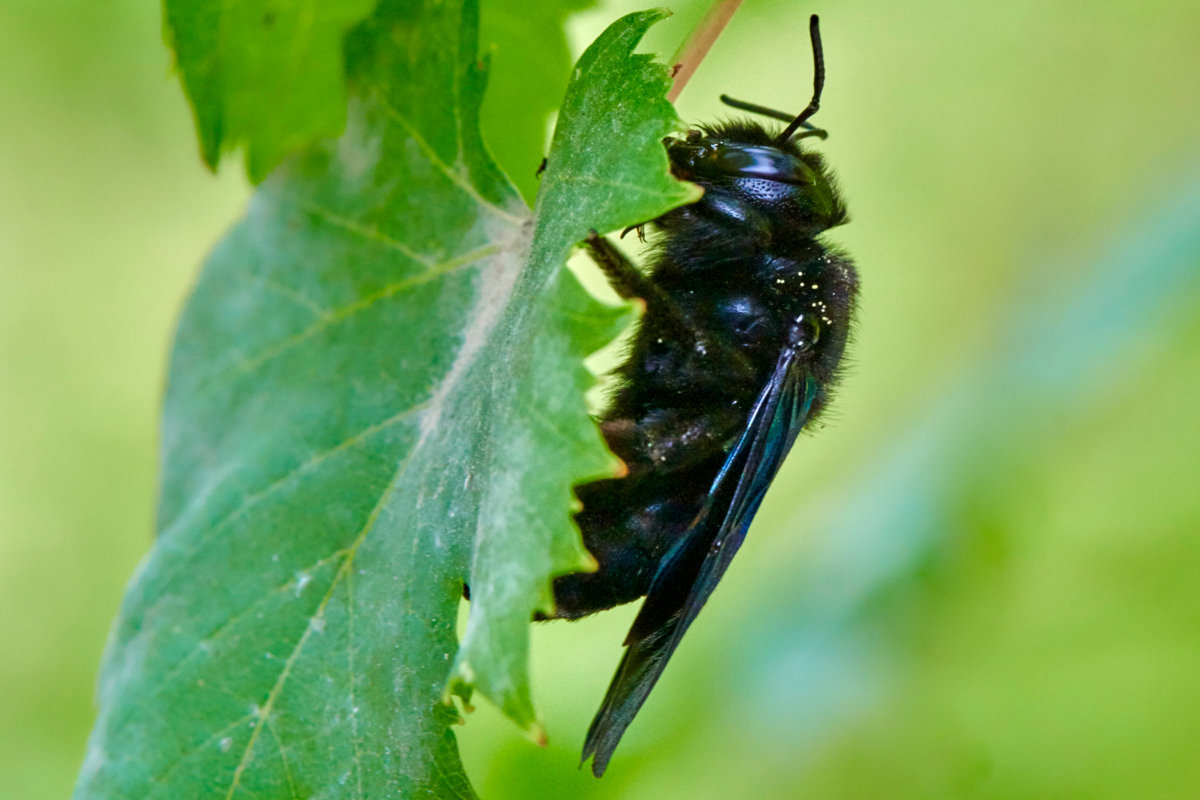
746 319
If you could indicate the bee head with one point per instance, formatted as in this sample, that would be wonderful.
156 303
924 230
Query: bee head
746 170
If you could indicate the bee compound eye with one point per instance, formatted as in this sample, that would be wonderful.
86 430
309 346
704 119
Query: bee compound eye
693 136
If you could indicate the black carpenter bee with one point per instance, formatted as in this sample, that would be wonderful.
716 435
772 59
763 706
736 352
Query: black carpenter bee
746 317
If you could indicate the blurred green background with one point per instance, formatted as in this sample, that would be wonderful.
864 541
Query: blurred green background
981 579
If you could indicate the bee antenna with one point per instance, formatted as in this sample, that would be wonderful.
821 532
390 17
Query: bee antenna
755 108
814 33
782 116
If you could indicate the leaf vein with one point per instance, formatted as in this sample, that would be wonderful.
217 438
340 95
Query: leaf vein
269 703
297 297
287 769
454 176
218 631
370 233
308 465
159 781
348 311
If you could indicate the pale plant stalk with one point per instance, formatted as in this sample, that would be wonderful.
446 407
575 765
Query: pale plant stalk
696 46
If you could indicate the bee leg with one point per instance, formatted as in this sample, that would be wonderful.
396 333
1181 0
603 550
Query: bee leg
630 282
627 280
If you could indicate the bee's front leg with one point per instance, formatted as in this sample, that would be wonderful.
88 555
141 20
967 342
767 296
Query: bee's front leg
626 279
631 283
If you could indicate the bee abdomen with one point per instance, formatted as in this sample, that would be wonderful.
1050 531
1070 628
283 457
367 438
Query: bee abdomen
628 525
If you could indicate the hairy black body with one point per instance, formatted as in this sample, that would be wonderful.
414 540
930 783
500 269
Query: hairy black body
747 316
681 401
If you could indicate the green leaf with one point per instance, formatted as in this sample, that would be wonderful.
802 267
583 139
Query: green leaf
376 395
264 73
605 171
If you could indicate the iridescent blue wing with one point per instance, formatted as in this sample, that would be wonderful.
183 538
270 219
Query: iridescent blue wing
690 571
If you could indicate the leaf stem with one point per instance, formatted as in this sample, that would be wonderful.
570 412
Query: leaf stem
696 46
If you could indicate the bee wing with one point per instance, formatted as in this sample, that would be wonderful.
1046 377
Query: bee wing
690 571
